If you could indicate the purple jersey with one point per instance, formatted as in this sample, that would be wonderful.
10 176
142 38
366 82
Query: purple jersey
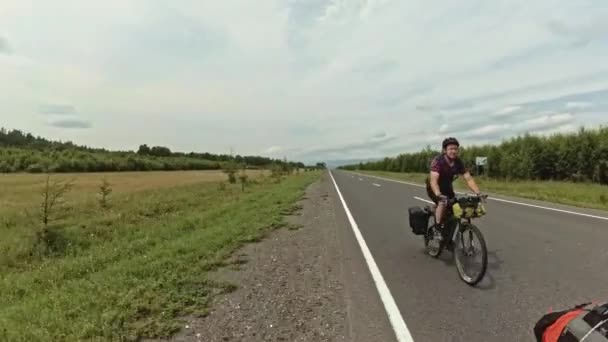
447 173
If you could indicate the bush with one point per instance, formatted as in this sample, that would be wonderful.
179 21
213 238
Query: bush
35 168
24 152
243 178
104 191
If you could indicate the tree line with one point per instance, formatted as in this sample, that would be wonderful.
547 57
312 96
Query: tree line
23 152
580 156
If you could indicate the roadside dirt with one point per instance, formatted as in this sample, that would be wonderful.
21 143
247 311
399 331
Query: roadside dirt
289 284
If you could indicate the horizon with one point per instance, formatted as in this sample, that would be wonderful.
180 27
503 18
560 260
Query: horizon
312 80
331 163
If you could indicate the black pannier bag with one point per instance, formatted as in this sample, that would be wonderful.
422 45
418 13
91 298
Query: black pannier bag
419 220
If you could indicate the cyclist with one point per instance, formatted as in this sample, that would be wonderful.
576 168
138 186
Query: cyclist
445 168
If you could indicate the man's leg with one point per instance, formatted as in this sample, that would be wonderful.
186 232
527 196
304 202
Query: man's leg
441 205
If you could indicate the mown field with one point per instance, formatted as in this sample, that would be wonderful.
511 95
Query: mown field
132 268
586 195
20 190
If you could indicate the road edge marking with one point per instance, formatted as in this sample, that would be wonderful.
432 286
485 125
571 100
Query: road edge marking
394 315
547 208
504 200
423 200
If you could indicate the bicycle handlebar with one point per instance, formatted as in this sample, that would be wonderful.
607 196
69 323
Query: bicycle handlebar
484 196
475 195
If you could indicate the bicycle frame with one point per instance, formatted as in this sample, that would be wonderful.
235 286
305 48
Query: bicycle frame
458 222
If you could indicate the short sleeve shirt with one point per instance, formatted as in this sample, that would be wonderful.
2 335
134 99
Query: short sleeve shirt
447 173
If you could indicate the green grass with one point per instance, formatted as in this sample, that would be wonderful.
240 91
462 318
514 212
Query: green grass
131 271
585 195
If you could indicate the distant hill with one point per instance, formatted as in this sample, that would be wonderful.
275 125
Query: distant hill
24 152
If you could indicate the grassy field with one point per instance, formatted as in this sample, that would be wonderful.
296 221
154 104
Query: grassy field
584 195
19 190
129 270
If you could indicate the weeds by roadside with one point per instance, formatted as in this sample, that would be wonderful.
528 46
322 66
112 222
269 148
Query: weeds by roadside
105 190
129 272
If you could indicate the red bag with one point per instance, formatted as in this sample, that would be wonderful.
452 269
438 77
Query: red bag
574 325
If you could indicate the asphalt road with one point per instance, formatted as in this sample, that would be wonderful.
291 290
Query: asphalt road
538 259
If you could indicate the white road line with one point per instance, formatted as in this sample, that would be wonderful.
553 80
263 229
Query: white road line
423 200
508 201
401 331
376 184
360 179
396 181
547 208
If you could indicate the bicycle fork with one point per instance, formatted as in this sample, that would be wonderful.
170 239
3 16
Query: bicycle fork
456 229
466 250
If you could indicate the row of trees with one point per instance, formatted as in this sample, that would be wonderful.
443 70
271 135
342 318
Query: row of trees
23 152
34 161
161 151
581 156
18 138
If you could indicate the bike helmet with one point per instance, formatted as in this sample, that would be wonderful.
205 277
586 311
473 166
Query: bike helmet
450 141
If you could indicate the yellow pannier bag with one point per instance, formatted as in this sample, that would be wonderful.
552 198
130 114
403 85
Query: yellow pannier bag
468 211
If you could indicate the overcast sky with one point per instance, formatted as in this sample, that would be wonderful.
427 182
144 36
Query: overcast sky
389 76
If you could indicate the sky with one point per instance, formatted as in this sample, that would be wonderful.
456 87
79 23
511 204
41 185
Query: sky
304 79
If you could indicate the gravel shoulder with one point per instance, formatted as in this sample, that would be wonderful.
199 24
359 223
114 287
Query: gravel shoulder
307 282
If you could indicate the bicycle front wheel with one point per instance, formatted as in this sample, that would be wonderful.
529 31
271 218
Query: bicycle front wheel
468 245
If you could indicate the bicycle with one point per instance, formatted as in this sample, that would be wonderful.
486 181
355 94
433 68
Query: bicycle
457 223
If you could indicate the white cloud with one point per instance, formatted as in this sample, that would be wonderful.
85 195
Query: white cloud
4 46
205 75
537 123
273 149
566 128
578 105
488 130
380 135
507 110
546 121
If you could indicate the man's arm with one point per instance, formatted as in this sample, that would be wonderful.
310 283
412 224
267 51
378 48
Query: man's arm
435 182
471 182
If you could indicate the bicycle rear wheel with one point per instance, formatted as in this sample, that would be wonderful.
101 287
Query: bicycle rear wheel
463 248
433 247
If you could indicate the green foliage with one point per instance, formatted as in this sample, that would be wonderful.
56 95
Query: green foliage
52 195
130 273
579 157
158 151
276 172
104 191
22 152
47 239
230 169
243 179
